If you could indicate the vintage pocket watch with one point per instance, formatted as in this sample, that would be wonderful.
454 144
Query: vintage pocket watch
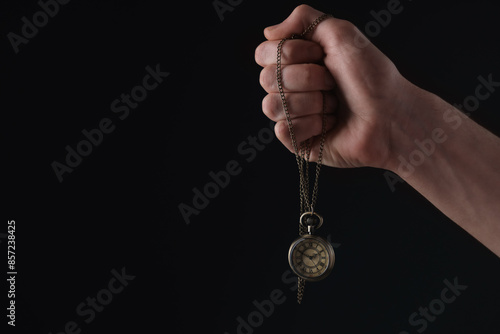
311 257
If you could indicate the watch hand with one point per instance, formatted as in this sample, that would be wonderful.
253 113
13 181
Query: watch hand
315 263
306 255
312 256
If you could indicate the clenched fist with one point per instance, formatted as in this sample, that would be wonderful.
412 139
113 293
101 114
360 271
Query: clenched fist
365 93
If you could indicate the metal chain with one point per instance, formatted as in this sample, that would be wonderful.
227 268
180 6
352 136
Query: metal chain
314 24
303 150
301 284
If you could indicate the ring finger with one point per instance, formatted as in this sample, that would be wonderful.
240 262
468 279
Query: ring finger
297 78
299 104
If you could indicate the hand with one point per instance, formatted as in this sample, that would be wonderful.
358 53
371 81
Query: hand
310 257
367 99
375 117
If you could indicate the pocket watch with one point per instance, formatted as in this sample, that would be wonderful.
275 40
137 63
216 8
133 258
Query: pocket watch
310 256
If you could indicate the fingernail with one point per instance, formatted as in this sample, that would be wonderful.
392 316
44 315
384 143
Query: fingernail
272 27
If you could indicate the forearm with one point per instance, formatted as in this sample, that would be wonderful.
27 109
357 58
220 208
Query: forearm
453 162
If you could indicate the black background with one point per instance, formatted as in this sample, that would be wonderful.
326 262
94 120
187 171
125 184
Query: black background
119 207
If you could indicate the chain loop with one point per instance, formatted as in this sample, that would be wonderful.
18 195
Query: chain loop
303 150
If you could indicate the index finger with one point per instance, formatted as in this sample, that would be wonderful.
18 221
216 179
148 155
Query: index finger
295 51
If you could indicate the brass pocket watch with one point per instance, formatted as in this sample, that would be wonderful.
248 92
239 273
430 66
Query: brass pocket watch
310 256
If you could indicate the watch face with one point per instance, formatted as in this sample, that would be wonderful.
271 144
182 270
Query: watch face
311 257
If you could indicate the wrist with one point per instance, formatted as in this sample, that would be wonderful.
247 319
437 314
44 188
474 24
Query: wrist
417 131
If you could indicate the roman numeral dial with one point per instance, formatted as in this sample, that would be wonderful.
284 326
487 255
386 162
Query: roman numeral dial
311 257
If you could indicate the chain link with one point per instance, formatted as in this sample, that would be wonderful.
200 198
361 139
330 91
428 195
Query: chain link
301 284
303 150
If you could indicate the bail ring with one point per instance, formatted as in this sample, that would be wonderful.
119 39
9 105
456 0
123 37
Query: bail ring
311 219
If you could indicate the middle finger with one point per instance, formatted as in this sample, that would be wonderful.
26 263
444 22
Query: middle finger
297 78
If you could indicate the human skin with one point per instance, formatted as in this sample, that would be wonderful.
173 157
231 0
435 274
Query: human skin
375 116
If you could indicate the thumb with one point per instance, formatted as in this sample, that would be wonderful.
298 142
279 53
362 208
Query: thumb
301 17
332 34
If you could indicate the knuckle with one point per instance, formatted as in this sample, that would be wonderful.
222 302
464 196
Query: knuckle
262 54
281 131
343 30
268 106
264 78
270 78
261 77
345 25
258 54
302 9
